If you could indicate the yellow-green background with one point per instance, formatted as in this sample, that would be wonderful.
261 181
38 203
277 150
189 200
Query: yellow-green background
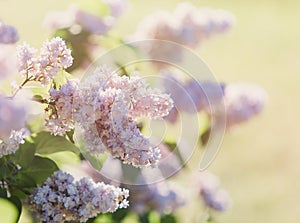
259 162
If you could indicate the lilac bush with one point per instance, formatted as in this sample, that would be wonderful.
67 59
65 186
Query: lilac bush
101 117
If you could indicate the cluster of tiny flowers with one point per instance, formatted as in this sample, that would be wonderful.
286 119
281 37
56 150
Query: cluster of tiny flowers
8 34
110 104
105 106
53 57
187 25
242 101
161 197
11 145
213 196
192 95
61 107
61 199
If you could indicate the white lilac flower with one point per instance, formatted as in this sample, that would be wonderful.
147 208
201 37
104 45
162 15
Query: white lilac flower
11 145
54 56
8 34
243 101
212 194
62 199
27 62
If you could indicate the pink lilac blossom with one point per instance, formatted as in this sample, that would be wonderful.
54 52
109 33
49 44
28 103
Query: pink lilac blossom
110 104
105 107
243 101
187 25
8 34
61 107
60 199
212 194
191 95
54 56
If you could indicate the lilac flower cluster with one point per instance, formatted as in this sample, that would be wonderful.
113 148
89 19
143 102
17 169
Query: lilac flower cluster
53 57
12 122
76 20
242 101
106 106
187 25
8 34
161 197
191 95
11 145
213 196
61 107
60 199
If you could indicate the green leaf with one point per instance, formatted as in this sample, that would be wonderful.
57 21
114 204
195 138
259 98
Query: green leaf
48 144
24 180
61 78
40 169
4 170
8 211
25 154
168 219
18 193
96 161
3 193
119 215
103 218
154 217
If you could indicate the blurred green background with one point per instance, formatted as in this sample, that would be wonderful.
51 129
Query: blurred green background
259 161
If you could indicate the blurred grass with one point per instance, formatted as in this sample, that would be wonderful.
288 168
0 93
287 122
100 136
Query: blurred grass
259 161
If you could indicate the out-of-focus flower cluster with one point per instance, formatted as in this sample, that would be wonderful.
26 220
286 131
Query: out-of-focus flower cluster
242 101
61 199
106 106
8 34
212 194
76 20
54 56
191 95
12 122
8 61
161 197
187 25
